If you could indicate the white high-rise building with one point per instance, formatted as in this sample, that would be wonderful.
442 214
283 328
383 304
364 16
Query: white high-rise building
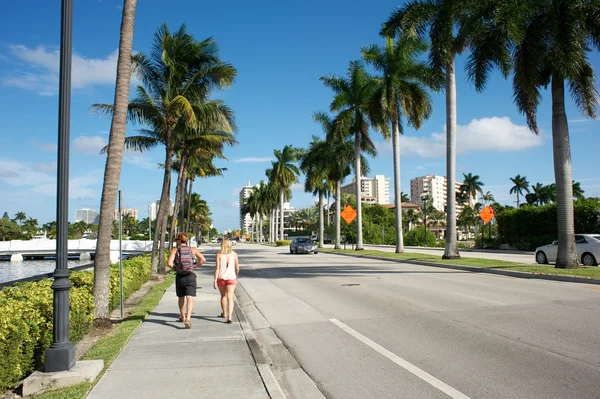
245 220
433 187
89 216
374 190
152 210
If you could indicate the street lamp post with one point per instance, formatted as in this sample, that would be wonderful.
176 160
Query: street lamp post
424 200
61 354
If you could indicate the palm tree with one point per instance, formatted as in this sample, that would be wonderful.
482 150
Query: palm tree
353 100
471 186
439 18
520 184
577 190
314 166
404 197
401 94
548 43
284 173
177 77
20 217
114 161
488 198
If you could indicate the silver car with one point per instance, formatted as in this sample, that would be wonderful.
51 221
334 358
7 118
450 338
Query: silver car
588 250
303 245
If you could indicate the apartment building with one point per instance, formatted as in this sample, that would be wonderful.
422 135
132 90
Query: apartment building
245 219
374 190
132 212
89 216
435 188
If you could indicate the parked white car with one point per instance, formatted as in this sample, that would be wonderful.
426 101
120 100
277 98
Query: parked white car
588 250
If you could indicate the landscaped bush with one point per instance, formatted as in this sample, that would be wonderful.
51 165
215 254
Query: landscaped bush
283 243
416 238
26 316
531 226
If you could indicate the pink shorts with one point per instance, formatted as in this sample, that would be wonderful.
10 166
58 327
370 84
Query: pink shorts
224 283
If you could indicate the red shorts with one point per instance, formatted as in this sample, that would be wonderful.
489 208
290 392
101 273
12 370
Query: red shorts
224 283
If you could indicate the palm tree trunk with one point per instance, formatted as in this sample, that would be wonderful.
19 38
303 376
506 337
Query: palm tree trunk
114 161
178 195
359 237
189 210
517 199
321 224
158 249
397 186
338 200
451 250
328 218
281 226
566 257
184 187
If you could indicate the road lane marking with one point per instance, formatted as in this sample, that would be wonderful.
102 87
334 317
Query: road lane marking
479 299
411 368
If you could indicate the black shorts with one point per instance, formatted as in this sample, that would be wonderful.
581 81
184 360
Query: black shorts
185 284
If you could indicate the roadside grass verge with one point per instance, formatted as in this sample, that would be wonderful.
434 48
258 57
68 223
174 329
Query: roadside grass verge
109 347
582 271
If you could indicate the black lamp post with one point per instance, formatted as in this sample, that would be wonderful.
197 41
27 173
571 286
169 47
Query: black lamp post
61 354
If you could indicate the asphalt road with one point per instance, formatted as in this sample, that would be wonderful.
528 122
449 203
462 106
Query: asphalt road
376 329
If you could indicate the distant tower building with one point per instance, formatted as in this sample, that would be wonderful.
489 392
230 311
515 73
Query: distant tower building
132 212
375 190
88 216
433 187
152 210
245 220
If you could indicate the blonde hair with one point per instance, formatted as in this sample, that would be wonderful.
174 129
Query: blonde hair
226 246
182 238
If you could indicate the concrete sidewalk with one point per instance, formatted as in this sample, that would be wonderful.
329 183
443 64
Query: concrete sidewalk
163 359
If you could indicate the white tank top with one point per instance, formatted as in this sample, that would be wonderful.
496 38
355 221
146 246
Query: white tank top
227 267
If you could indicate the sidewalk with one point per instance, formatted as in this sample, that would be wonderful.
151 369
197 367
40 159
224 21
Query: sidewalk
163 359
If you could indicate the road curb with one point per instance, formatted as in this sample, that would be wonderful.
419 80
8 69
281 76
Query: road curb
266 346
510 273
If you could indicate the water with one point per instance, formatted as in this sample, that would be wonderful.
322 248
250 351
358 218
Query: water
17 270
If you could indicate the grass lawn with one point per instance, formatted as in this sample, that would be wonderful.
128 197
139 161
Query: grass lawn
582 271
110 346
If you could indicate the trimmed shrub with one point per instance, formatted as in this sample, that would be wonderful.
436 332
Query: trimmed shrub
26 312
532 226
416 238
283 243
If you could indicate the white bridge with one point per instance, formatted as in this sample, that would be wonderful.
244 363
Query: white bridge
19 250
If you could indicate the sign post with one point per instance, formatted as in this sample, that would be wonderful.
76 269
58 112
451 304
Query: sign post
486 215
348 214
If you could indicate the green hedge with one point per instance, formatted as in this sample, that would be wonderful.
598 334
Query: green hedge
532 226
416 238
283 243
26 316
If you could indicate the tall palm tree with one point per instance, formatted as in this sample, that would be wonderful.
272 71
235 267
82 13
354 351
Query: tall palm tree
114 161
547 42
178 76
404 197
353 100
439 18
401 94
471 186
520 184
20 217
314 166
488 198
284 173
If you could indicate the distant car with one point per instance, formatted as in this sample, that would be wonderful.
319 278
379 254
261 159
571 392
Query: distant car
588 250
303 245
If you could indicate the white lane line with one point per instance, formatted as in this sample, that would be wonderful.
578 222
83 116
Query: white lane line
478 299
428 378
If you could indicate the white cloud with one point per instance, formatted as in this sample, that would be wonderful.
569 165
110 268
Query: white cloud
138 159
297 187
91 145
39 70
34 181
220 203
46 167
253 159
480 135
236 192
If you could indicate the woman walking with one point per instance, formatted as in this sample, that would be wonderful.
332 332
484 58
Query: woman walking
181 259
226 272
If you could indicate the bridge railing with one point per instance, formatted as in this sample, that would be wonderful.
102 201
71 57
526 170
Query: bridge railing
84 245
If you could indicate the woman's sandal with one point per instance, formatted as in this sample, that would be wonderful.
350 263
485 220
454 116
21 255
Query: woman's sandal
229 322
180 319
222 315
188 324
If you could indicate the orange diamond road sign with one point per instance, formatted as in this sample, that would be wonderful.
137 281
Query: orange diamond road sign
348 214
486 214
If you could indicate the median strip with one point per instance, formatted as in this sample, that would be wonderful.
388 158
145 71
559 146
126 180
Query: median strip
583 274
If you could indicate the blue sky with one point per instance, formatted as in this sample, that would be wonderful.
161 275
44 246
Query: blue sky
280 50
